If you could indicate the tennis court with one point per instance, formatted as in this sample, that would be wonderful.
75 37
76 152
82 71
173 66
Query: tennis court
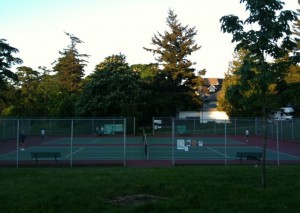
159 151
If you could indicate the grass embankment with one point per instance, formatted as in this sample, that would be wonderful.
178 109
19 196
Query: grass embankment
178 189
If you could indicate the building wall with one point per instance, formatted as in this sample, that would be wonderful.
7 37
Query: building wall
205 116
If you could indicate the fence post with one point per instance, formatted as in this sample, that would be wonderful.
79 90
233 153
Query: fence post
124 139
18 135
255 124
277 143
152 125
225 142
134 126
235 126
173 139
71 156
292 123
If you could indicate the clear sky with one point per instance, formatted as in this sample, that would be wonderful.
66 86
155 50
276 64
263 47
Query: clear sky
36 28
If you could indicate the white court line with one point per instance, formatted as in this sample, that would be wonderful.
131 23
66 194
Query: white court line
9 153
282 153
275 152
49 142
94 141
15 151
78 150
217 152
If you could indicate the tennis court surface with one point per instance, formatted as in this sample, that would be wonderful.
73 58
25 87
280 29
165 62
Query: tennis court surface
142 150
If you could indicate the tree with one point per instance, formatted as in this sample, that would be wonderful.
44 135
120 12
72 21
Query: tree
7 60
70 67
229 97
111 87
293 77
49 94
28 84
69 73
146 71
263 68
172 51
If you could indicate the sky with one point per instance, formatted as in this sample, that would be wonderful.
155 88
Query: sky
107 27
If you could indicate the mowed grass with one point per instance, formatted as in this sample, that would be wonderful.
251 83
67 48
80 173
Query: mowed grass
175 189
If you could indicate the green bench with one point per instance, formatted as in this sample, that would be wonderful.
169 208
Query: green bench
249 155
45 155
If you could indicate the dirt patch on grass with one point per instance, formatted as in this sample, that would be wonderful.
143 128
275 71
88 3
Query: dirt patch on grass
135 199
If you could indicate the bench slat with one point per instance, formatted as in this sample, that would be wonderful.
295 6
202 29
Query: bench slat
249 155
39 155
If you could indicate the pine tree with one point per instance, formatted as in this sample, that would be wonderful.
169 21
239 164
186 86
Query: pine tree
70 67
172 51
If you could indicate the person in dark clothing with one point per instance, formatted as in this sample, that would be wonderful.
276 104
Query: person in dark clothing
22 140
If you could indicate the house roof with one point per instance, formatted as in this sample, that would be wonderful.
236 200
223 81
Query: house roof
213 81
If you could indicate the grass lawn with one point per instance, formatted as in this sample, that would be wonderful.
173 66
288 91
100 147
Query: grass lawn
175 189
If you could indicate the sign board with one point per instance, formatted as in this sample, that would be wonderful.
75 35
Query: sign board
112 128
180 144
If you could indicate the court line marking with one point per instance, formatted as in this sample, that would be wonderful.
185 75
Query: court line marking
51 141
217 152
283 153
78 150
15 151
94 141
275 152
8 153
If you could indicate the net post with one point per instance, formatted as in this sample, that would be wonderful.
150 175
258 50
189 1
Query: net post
146 145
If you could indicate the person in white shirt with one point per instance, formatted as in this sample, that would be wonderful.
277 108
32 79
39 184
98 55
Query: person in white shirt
247 134
43 134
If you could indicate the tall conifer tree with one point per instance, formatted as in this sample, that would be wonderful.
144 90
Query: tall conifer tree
172 50
70 67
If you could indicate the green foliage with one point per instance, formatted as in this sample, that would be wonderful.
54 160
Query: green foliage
146 71
9 99
28 84
49 93
112 85
261 73
7 60
70 67
172 51
66 107
267 60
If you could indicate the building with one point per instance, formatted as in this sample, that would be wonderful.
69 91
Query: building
208 112
209 92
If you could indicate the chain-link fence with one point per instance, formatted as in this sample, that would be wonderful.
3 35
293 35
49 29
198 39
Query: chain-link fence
285 130
171 141
208 141
64 141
